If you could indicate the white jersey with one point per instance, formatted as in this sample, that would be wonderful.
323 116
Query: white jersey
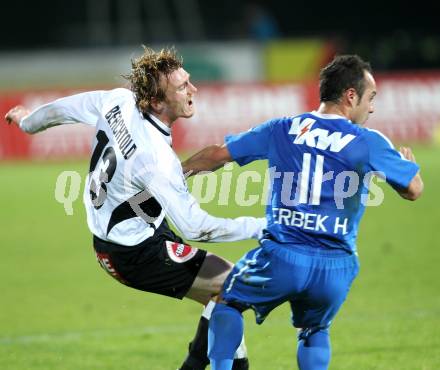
135 177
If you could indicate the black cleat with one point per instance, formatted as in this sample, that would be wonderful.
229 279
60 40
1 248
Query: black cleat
241 364
193 362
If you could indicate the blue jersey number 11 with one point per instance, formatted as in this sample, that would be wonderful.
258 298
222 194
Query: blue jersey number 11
317 180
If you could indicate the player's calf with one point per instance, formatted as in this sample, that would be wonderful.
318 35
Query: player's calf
224 336
197 358
313 349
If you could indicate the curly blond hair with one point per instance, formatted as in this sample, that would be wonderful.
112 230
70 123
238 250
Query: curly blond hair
146 72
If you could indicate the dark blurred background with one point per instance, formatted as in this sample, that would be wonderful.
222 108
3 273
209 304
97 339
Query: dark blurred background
251 60
392 35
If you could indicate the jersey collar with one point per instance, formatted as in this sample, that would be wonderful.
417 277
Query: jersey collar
162 127
328 116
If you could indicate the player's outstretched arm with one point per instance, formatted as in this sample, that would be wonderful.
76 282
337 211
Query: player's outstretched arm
415 187
165 182
208 159
78 108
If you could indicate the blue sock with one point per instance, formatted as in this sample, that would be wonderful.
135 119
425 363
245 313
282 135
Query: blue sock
314 350
224 336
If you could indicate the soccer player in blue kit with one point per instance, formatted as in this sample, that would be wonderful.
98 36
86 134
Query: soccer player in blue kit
323 163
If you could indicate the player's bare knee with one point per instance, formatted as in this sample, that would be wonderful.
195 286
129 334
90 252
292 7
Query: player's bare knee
199 297
209 281
215 268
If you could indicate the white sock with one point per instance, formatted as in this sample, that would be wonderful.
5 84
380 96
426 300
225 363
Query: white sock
208 310
241 351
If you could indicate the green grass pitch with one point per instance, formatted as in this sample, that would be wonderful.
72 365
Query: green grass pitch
59 310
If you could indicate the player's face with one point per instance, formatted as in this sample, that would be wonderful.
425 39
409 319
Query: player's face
179 95
364 106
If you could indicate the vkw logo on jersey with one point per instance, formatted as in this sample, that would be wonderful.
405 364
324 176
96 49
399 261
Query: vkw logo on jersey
179 252
317 138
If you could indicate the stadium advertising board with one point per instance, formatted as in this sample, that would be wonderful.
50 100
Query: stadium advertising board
406 109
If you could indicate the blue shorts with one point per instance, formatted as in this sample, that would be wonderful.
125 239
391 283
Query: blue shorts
314 280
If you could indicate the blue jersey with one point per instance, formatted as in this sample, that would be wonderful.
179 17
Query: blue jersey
321 166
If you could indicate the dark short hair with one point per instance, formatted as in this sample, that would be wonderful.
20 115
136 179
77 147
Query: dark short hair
342 73
146 72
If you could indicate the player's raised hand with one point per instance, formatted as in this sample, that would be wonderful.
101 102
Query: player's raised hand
16 114
407 153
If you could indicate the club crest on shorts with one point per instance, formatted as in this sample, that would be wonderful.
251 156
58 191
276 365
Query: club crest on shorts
105 262
179 252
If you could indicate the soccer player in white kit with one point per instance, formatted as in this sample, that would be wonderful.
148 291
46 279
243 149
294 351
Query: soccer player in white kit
136 179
